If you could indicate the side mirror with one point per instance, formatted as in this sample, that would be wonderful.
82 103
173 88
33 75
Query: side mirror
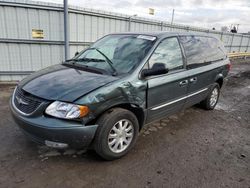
76 54
157 69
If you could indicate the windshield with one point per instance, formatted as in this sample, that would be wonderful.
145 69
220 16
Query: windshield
116 53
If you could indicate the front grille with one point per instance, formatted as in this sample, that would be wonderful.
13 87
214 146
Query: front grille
26 102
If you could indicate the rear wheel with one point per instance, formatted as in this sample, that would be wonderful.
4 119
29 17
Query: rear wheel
117 133
210 102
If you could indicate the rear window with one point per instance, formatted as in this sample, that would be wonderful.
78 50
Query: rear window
201 50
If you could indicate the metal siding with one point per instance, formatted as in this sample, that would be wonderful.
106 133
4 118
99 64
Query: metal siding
106 26
2 23
86 25
11 22
227 39
25 57
237 40
22 23
234 49
101 27
72 27
245 41
55 25
33 21
4 57
94 29
112 25
243 49
43 17
36 57
88 29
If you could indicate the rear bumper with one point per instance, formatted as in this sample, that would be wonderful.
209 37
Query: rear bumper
43 130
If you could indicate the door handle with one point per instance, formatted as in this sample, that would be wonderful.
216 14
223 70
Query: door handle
194 79
183 83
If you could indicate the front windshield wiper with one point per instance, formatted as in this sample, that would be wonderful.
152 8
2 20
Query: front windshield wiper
82 66
107 60
95 60
85 59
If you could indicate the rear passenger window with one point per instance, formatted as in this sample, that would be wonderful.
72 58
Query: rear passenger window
201 51
169 53
216 50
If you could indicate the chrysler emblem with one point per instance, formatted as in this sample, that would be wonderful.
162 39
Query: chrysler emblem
20 101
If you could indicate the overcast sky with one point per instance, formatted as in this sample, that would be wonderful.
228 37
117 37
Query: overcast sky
201 13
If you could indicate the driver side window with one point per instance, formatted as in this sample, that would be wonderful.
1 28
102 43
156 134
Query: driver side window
169 53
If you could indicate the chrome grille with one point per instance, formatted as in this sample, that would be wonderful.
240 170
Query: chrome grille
26 102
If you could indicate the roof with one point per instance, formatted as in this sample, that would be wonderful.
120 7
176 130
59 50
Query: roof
163 34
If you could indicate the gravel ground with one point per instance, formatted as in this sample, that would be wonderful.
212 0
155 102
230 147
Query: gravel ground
194 148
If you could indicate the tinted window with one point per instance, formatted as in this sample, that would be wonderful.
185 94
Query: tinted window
216 50
201 50
169 53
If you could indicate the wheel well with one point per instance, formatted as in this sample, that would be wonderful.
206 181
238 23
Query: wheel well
220 82
138 112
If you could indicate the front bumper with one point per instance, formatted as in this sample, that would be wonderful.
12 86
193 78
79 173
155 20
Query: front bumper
43 130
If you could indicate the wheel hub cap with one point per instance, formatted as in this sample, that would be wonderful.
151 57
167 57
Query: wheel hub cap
120 136
214 97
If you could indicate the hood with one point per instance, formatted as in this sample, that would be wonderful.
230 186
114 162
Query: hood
59 82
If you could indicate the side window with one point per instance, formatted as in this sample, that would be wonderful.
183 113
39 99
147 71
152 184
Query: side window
216 50
201 51
169 53
195 49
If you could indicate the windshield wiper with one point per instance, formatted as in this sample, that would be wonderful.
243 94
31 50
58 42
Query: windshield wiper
95 60
82 67
107 60
85 59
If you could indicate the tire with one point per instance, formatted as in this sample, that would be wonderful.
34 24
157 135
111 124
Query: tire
210 102
113 137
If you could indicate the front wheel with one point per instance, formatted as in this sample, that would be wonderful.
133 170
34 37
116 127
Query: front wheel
117 133
210 102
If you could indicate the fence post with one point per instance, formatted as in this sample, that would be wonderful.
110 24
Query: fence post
161 26
231 43
240 42
221 36
66 30
248 44
129 23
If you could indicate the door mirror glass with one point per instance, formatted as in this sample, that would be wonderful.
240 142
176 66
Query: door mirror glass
157 69
77 53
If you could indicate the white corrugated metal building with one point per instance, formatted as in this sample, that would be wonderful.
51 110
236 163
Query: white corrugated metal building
21 54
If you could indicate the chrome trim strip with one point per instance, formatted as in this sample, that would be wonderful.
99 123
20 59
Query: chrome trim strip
177 100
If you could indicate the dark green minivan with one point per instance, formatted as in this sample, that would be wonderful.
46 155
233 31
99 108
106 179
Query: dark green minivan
102 97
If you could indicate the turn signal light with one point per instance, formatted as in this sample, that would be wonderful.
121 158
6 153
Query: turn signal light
84 110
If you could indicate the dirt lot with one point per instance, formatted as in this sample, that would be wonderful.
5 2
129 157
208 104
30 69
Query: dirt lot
195 148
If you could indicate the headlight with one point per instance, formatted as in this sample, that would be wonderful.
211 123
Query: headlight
66 110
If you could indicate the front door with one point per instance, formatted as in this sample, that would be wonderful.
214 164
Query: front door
166 93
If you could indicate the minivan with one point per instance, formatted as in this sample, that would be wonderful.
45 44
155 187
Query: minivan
101 98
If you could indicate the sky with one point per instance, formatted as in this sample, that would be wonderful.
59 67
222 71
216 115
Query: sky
201 13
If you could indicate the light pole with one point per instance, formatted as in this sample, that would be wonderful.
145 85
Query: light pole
172 20
129 21
66 30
